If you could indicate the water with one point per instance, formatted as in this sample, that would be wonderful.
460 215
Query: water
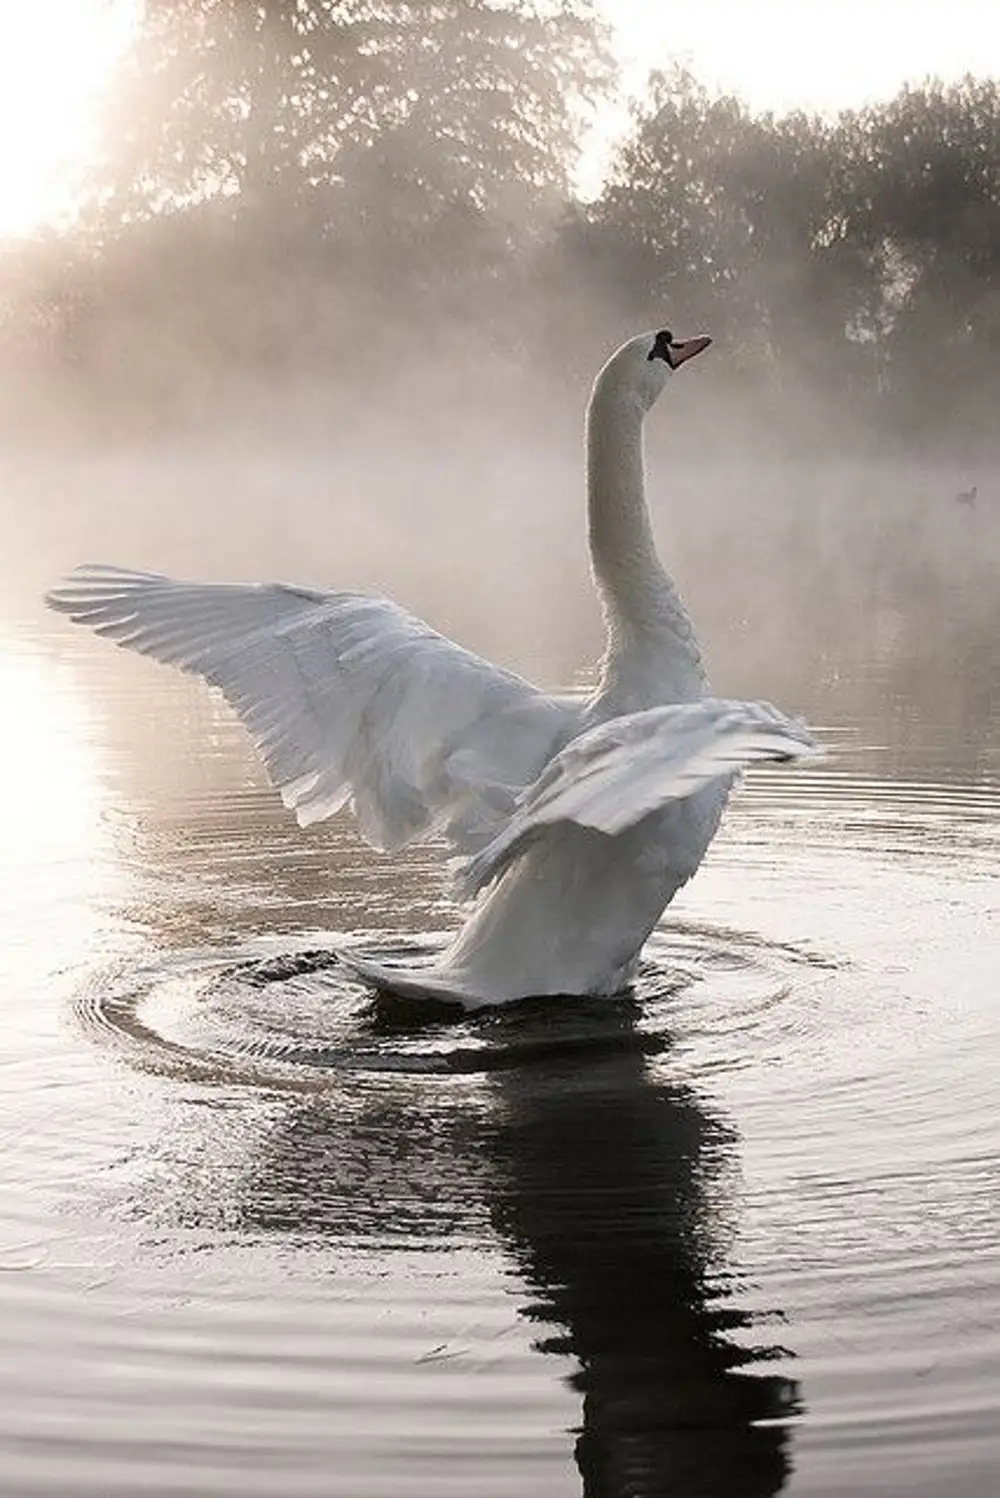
735 1235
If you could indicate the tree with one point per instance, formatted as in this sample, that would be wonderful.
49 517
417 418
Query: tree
733 213
292 106
856 260
921 190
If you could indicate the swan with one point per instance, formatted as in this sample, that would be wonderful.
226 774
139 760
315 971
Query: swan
575 823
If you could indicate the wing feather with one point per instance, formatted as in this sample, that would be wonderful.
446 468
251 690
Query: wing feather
346 696
614 774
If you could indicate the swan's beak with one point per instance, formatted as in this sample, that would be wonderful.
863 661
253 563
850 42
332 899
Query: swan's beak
686 348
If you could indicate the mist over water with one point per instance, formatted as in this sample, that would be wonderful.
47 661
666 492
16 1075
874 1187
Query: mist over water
734 1233
834 588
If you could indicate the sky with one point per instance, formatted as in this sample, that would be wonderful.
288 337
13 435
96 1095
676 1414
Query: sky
787 54
56 56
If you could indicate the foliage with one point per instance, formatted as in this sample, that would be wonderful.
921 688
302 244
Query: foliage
285 178
291 106
862 255
923 202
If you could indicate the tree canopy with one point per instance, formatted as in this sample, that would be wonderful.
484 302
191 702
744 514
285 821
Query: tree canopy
863 253
321 105
277 174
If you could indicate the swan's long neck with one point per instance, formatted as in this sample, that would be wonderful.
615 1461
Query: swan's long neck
647 623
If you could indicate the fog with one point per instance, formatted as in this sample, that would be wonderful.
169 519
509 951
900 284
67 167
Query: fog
330 313
336 348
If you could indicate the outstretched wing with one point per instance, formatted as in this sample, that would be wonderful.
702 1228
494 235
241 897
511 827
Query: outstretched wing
613 775
347 697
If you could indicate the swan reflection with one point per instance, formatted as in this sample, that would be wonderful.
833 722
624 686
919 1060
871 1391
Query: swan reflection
611 1189
612 1200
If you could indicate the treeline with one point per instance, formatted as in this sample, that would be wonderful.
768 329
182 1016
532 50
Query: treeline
859 259
329 188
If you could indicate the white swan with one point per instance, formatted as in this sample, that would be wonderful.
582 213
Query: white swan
579 822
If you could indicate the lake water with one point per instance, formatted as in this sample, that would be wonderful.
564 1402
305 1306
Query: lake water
265 1236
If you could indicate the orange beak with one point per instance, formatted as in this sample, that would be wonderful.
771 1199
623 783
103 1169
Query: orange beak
686 348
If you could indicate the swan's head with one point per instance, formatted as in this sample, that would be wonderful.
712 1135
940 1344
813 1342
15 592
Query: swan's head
641 368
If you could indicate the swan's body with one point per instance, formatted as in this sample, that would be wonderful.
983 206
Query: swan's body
968 496
579 822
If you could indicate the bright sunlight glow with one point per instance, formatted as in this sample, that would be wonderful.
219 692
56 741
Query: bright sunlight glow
52 826
55 59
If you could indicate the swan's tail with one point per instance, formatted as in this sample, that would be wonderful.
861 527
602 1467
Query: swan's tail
425 980
619 772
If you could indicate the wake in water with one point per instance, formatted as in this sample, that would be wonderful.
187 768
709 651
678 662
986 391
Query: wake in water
298 1018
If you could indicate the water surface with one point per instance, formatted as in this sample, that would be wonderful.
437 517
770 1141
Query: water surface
262 1234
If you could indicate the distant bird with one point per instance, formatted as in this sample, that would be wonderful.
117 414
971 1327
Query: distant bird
579 821
968 496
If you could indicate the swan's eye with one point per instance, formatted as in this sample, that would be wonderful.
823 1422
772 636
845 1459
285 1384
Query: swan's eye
661 347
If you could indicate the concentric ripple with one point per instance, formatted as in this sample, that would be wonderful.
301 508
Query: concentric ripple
297 1019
